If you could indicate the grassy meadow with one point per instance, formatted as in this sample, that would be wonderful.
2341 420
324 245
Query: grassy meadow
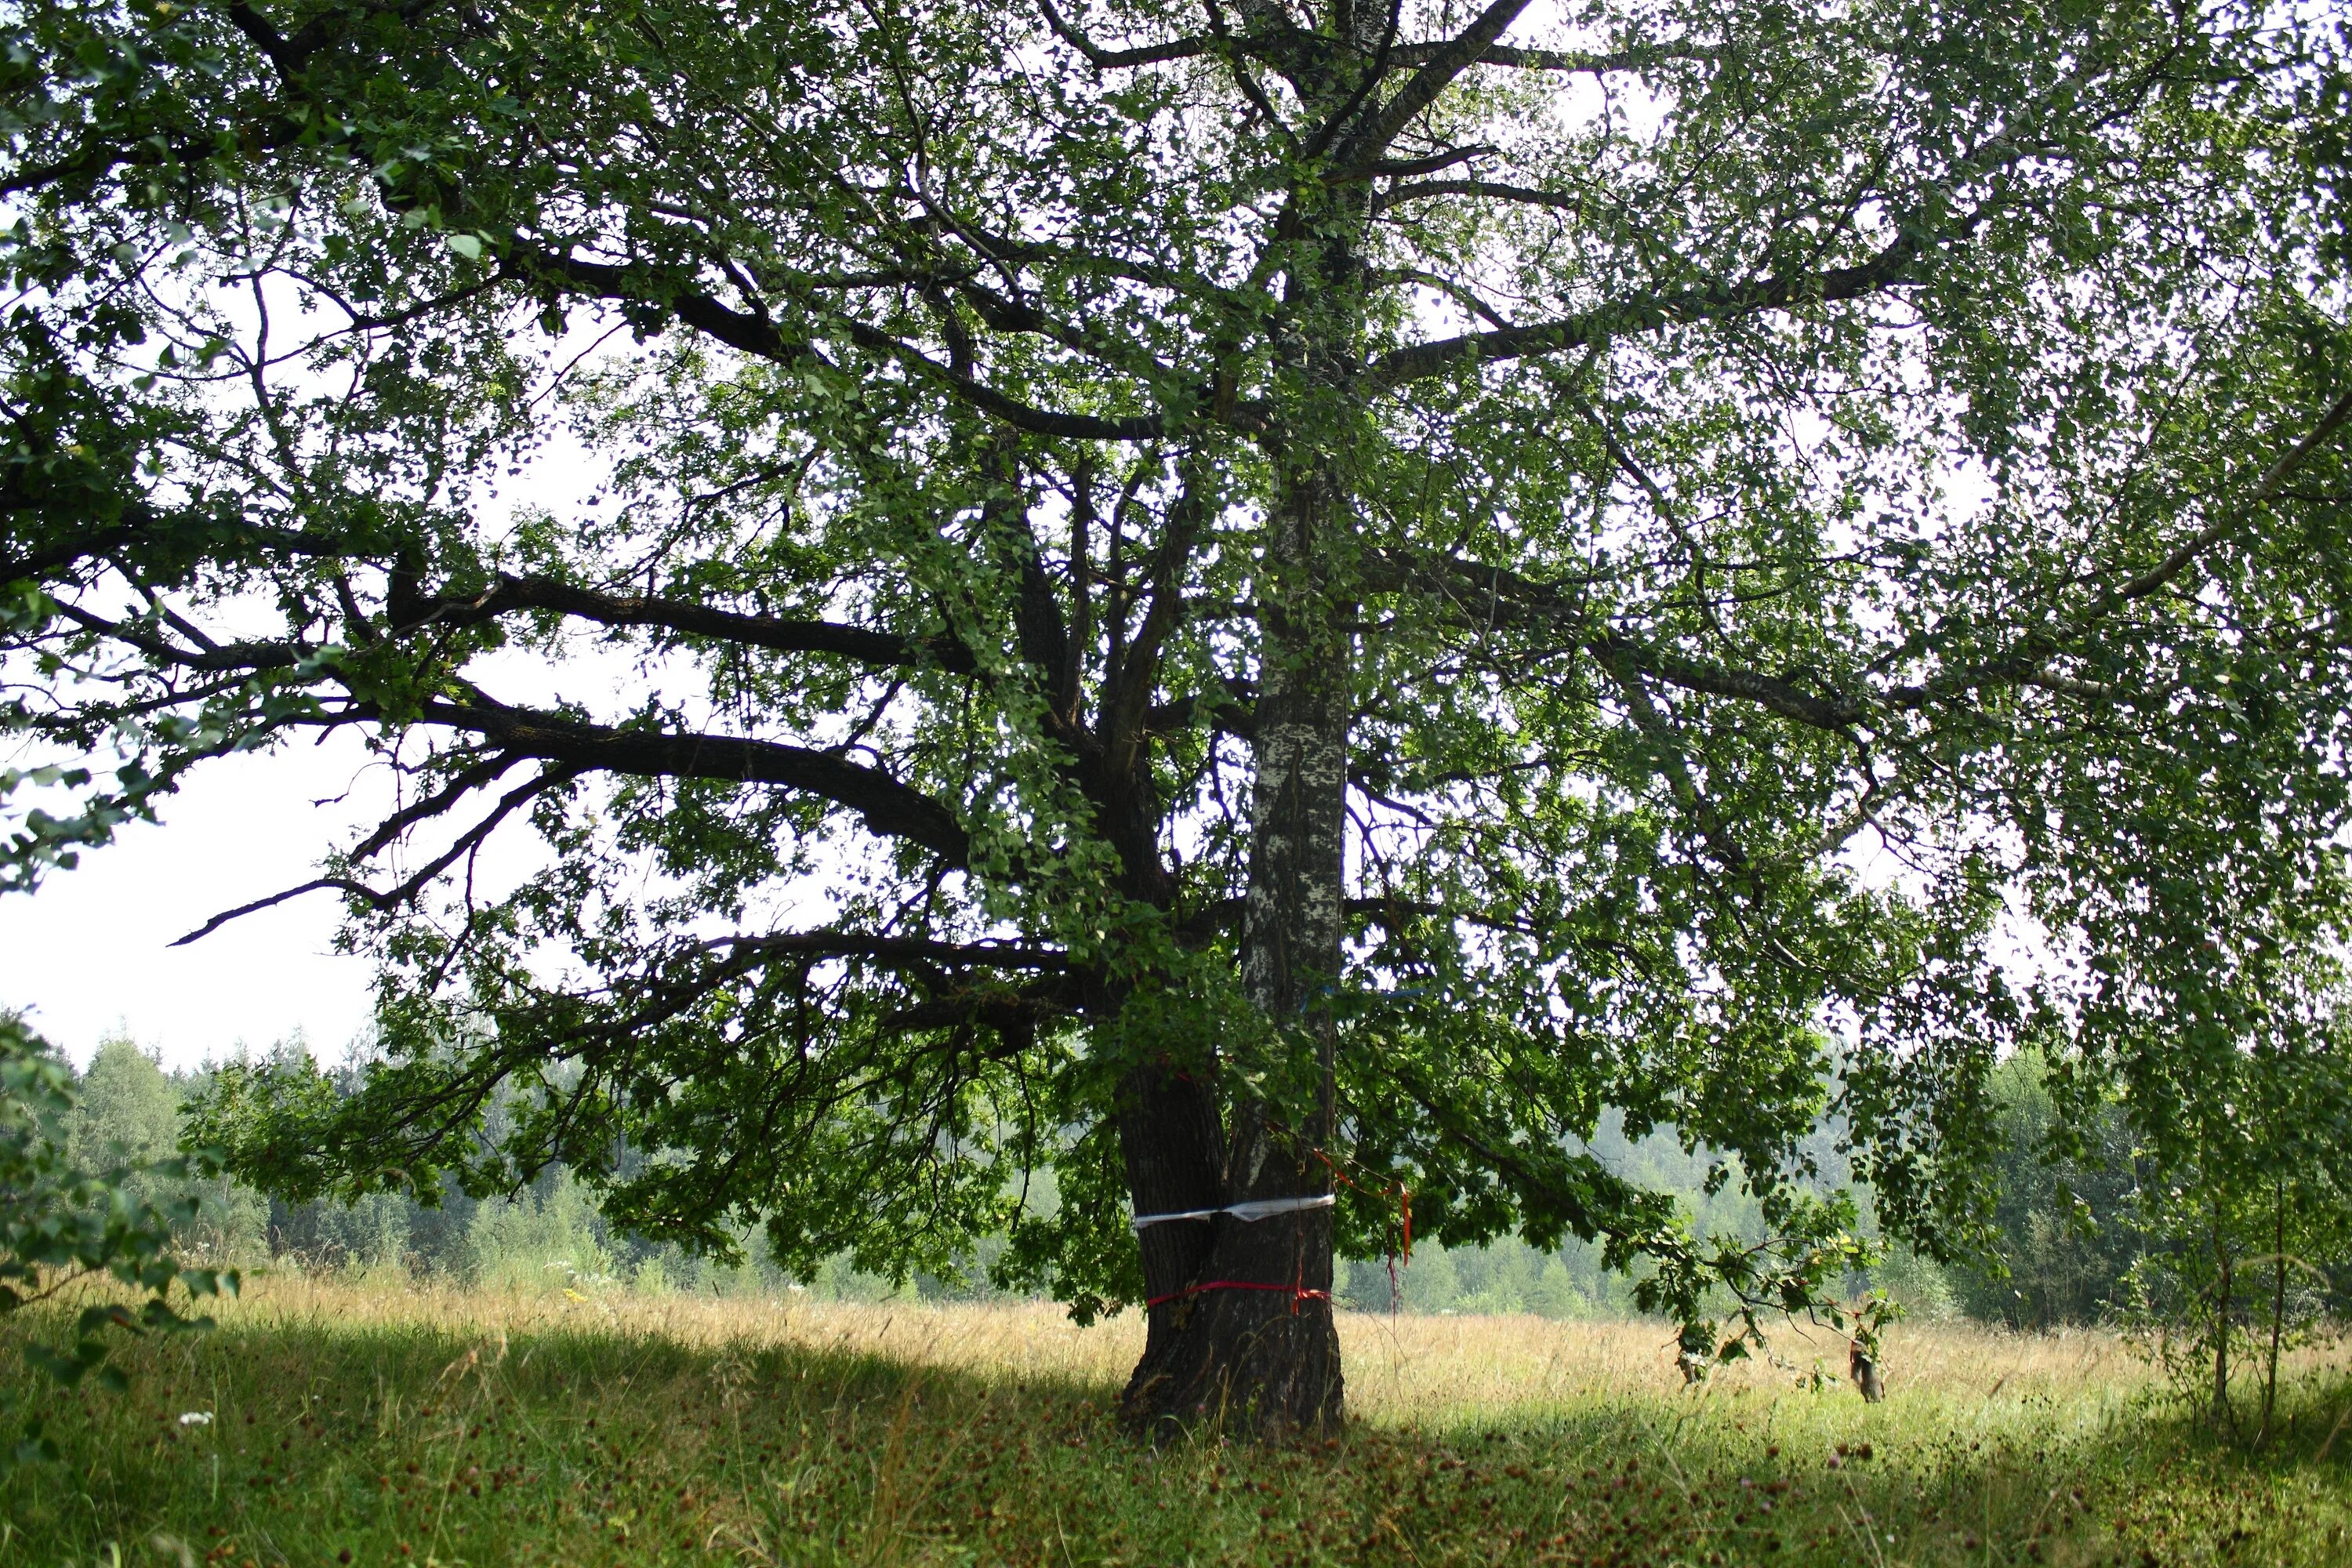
352 1423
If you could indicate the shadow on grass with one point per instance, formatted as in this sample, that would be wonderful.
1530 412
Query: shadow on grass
384 1442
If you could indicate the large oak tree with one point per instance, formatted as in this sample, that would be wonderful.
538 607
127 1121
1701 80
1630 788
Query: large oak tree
1242 603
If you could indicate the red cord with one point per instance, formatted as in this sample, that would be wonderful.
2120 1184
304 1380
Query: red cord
1296 1294
1403 1196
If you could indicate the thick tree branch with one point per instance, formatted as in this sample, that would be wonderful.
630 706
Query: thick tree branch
2027 661
755 334
1120 60
1894 265
222 657
998 406
1139 669
752 333
1489 190
775 633
2266 488
1230 711
1429 164
1364 145
37 564
894 949
140 524
461 784
1496 596
1674 764
891 809
1006 1011
1006 314
1742 685
1641 56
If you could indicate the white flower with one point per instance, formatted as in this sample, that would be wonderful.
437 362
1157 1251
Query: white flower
195 1417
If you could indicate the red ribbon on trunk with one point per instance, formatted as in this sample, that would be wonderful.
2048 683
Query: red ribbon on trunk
1298 1293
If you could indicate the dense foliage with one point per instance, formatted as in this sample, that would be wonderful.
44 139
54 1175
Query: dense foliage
1222 604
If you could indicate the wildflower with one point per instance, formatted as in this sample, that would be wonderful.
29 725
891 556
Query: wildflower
195 1417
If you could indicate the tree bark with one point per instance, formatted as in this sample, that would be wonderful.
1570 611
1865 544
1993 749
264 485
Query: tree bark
2278 1309
1240 1331
2225 1299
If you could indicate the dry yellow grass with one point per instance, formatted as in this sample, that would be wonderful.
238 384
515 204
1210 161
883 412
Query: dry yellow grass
1404 1369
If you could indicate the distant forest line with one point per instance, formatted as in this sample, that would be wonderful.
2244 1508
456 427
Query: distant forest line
2067 1233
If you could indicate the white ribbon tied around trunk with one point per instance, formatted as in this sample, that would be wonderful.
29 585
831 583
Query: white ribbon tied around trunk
1259 1208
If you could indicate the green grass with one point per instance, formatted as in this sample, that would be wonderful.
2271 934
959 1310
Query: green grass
371 1436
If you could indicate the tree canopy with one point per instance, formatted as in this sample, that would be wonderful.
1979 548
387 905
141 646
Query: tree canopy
1237 604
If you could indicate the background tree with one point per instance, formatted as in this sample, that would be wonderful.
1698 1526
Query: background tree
64 1224
2068 1222
1232 602
2247 1198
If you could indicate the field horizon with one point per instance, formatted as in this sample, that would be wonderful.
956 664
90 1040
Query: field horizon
326 1421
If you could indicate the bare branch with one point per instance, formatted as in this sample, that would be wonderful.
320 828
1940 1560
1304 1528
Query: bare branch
393 897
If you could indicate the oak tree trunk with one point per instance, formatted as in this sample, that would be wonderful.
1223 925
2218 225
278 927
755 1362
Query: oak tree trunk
1240 1329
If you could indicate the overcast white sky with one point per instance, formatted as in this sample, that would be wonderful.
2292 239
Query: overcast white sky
89 953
